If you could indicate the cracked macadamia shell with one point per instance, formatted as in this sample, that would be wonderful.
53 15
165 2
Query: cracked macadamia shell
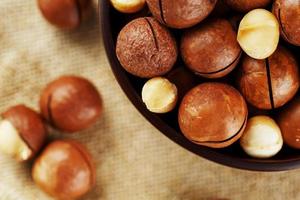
71 103
211 49
269 83
289 123
181 13
145 48
22 132
65 13
288 15
247 5
64 170
213 115
262 137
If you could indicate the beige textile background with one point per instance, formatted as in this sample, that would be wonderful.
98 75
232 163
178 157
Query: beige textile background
134 160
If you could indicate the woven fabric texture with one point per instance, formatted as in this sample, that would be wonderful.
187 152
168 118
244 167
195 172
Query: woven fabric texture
134 160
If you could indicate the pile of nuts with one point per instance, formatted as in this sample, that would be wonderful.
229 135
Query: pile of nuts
62 168
241 52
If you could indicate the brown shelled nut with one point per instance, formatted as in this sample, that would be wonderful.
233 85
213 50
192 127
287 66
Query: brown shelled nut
247 5
128 6
289 123
71 103
259 33
146 49
22 132
211 50
66 14
181 14
64 170
269 83
159 95
288 15
262 137
213 115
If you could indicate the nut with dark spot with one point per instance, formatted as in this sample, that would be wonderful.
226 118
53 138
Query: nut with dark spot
269 83
288 15
247 5
181 13
71 103
22 132
211 50
213 115
145 48
65 13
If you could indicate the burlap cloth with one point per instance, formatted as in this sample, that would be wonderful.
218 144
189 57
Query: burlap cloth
134 160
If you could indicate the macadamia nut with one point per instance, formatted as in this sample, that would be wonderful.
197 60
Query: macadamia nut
128 6
159 95
22 132
11 143
262 137
258 33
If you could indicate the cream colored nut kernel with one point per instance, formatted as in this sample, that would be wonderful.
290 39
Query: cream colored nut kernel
159 95
259 33
11 143
262 137
128 6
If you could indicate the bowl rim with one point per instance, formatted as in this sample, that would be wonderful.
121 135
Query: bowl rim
205 152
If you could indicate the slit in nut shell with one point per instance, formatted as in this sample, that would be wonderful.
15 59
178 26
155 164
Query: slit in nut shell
181 13
211 49
213 115
258 33
145 48
22 133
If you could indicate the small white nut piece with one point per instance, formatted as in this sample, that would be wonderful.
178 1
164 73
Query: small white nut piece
128 6
11 143
259 33
159 95
22 132
262 137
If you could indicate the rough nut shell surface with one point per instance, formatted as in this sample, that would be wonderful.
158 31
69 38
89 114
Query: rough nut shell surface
211 50
29 125
145 48
71 103
288 15
181 13
213 114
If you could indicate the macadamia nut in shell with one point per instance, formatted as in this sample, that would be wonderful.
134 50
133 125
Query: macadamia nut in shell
22 132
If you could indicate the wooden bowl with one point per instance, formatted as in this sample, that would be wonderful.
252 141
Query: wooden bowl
233 156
